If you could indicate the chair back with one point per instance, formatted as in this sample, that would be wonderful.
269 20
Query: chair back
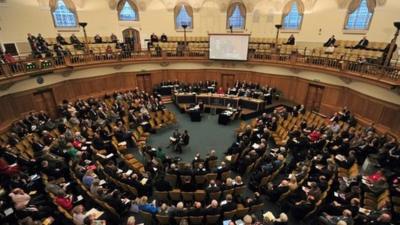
162 220
229 214
215 195
212 219
175 195
212 164
161 196
199 195
187 196
200 179
211 176
241 212
239 190
225 175
147 217
179 219
196 220
171 178
256 208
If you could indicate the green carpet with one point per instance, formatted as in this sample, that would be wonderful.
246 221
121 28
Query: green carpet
204 135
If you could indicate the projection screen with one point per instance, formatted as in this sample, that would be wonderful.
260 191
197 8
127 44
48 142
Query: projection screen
228 47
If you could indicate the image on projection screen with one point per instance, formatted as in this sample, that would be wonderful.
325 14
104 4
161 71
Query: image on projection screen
228 47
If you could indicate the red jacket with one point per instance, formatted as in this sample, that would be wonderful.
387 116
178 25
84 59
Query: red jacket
64 202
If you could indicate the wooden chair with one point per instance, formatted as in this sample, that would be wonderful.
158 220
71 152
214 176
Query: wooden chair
171 178
212 219
214 195
239 190
241 212
196 220
225 175
229 214
211 176
161 196
175 195
256 208
226 192
179 219
199 195
200 179
162 220
187 196
148 218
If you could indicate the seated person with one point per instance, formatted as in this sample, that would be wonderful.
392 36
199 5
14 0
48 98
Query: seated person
330 42
163 38
60 39
362 44
98 39
291 40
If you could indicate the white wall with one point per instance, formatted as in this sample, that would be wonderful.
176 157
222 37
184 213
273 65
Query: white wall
18 17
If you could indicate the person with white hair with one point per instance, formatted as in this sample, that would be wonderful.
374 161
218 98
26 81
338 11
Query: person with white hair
346 217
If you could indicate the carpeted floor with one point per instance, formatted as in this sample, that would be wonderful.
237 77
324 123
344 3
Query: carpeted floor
204 136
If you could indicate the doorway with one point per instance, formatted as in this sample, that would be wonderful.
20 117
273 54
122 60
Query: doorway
144 82
314 97
44 100
227 80
132 39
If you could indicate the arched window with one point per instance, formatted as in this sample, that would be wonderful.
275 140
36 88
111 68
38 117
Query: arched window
293 15
127 11
63 13
183 16
360 14
236 16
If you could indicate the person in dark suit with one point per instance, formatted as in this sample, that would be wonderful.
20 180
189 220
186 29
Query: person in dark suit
185 138
212 187
162 185
362 44
331 41
274 193
197 210
98 39
291 40
164 38
213 208
229 205
60 39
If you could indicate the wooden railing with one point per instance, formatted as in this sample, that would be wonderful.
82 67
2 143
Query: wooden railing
350 69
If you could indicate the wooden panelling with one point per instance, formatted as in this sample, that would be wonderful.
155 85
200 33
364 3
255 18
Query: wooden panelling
293 88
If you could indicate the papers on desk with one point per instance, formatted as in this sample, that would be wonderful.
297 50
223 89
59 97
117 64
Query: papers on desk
172 139
129 172
95 212
34 177
99 222
239 222
122 143
255 146
269 215
340 157
79 198
8 211
364 211
144 181
228 158
102 182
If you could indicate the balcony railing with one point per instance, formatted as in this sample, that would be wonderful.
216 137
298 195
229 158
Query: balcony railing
346 68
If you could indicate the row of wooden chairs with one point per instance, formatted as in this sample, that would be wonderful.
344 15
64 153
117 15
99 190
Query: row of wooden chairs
200 195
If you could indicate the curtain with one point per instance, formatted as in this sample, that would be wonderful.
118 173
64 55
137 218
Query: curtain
68 3
354 6
121 4
189 11
371 5
288 7
230 11
356 3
